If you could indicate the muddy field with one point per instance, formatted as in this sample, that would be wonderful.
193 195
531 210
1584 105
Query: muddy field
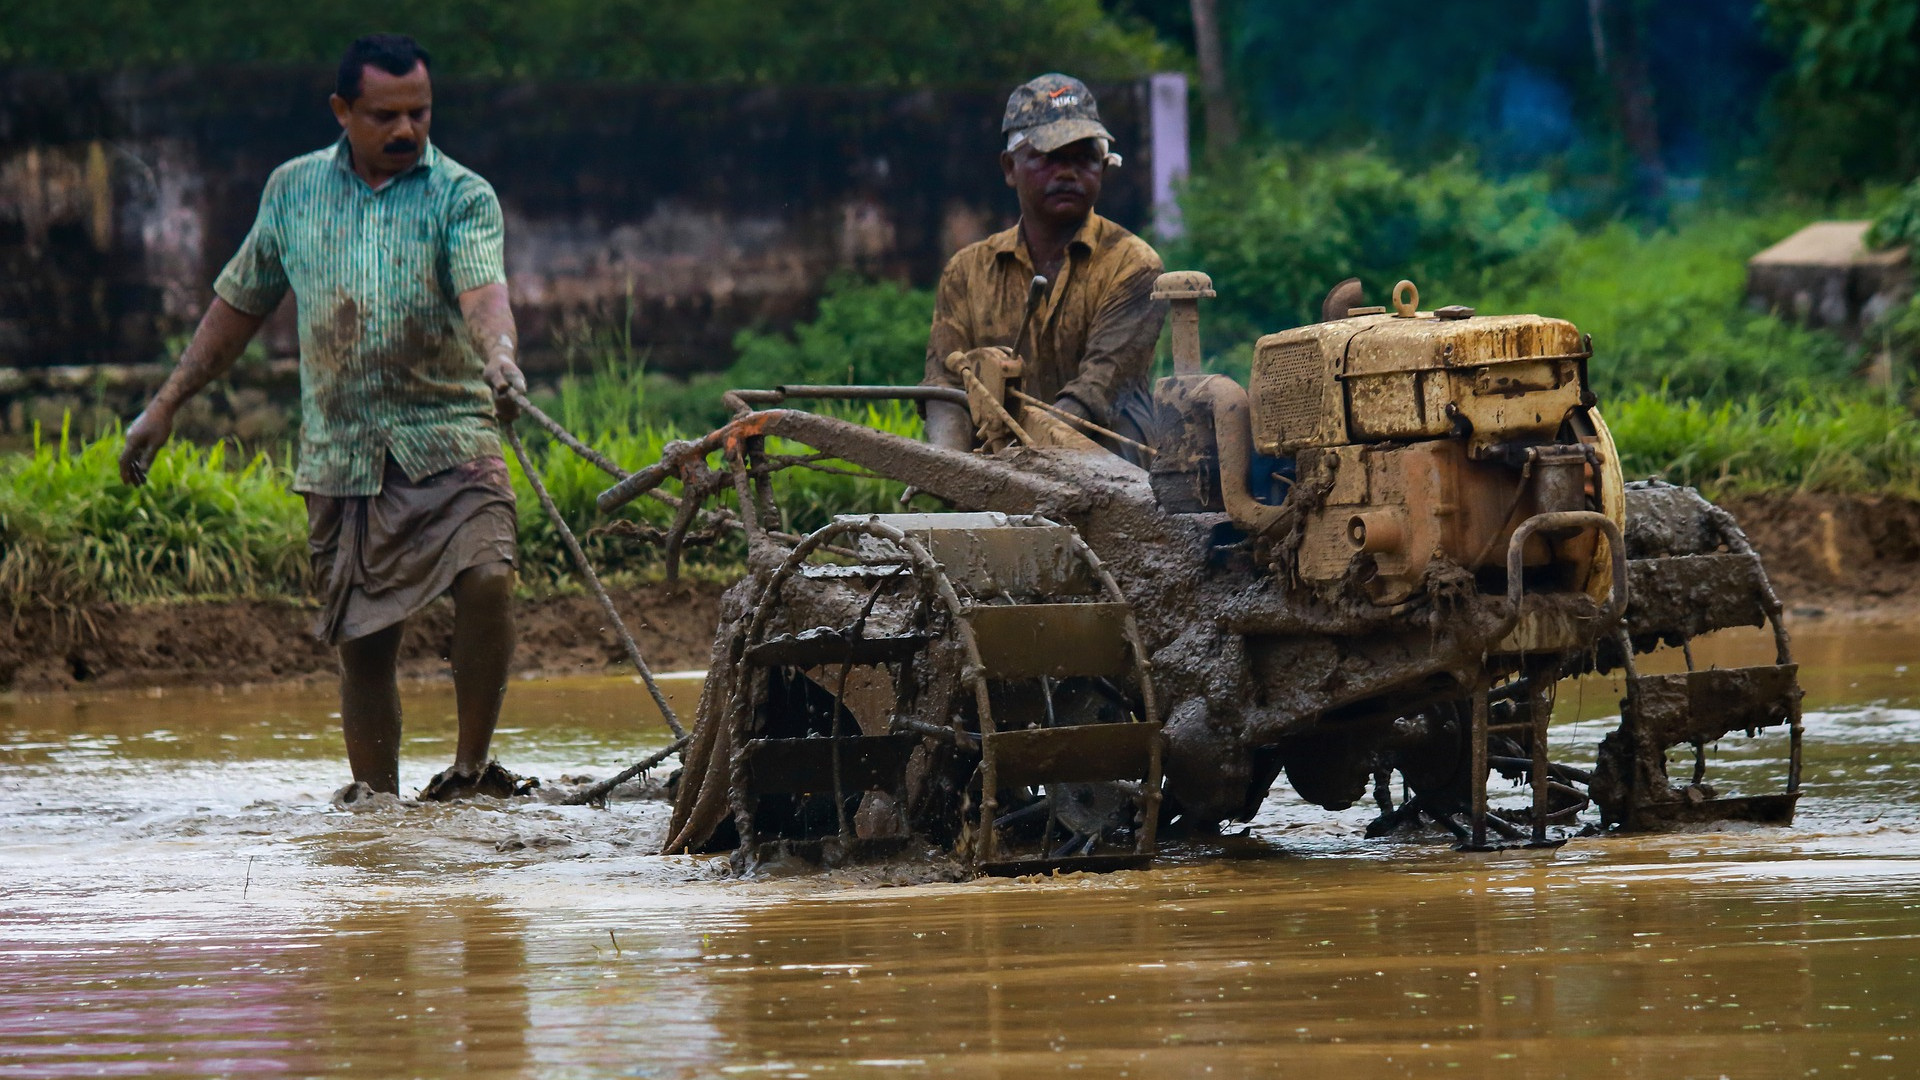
181 900
1828 556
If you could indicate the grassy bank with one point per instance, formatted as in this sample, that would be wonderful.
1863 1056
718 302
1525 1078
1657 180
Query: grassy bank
209 523
1834 444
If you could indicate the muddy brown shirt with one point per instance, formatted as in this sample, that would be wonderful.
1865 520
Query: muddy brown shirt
385 365
1093 335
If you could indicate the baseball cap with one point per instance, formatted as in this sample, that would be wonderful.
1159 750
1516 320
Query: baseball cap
1051 111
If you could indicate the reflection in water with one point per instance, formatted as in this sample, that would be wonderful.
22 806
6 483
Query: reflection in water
1231 972
420 991
181 901
375 991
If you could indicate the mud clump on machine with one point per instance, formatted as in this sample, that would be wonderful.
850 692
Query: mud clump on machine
1379 558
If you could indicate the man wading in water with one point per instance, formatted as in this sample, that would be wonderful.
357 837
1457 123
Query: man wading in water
1090 348
407 345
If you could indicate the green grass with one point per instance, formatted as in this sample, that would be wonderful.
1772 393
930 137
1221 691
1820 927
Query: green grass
1842 444
204 525
1666 308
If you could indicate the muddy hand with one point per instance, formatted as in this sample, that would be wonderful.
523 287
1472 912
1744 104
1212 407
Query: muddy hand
149 433
504 378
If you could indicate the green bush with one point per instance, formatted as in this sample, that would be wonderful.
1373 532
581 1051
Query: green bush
864 332
1276 229
1666 308
1899 222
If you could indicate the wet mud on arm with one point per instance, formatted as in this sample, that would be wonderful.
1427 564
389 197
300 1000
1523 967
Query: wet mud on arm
948 425
490 327
217 342
1119 351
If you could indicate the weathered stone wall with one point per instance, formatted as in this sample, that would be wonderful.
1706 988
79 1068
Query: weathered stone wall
687 212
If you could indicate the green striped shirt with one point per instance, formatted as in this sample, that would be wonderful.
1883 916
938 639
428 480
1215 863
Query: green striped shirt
385 364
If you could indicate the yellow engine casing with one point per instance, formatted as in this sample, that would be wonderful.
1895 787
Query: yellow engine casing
1379 378
1413 426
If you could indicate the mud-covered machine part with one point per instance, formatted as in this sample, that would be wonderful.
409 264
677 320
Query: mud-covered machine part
988 658
1380 562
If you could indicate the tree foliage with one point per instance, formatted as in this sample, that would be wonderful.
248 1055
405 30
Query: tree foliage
784 41
1850 112
864 332
1276 229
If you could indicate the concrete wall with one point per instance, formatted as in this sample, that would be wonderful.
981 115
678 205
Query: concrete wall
688 212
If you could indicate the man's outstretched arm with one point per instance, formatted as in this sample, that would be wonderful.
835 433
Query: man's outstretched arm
490 327
219 340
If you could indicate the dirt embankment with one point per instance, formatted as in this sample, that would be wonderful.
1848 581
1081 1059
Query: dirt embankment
256 641
1837 554
1827 555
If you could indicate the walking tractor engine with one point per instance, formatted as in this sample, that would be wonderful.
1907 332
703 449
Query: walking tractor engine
1421 450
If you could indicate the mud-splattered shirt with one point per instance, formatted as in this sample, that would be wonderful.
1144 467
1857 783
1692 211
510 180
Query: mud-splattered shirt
1093 335
385 365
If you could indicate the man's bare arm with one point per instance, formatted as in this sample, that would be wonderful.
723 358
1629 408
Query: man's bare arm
490 327
217 342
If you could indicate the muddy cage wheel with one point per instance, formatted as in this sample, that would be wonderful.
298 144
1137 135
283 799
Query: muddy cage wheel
1092 750
990 699
805 762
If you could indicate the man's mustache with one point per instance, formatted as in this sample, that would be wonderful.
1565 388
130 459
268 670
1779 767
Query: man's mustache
401 146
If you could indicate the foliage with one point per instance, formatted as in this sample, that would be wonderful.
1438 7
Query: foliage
1899 222
1833 442
865 332
776 41
1277 228
206 526
71 532
1845 46
1665 308
1515 81
1849 110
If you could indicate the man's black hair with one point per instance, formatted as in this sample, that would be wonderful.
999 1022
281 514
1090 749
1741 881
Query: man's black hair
395 54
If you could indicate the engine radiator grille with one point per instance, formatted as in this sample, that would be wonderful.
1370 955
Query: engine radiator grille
1290 394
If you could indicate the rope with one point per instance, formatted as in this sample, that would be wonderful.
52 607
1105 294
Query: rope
597 794
592 579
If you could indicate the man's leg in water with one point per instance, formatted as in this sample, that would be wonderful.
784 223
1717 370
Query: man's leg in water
370 707
482 649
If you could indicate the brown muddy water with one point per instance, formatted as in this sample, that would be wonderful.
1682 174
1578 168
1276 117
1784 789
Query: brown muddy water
180 900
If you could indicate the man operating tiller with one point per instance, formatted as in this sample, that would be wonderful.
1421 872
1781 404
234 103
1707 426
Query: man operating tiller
1085 334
